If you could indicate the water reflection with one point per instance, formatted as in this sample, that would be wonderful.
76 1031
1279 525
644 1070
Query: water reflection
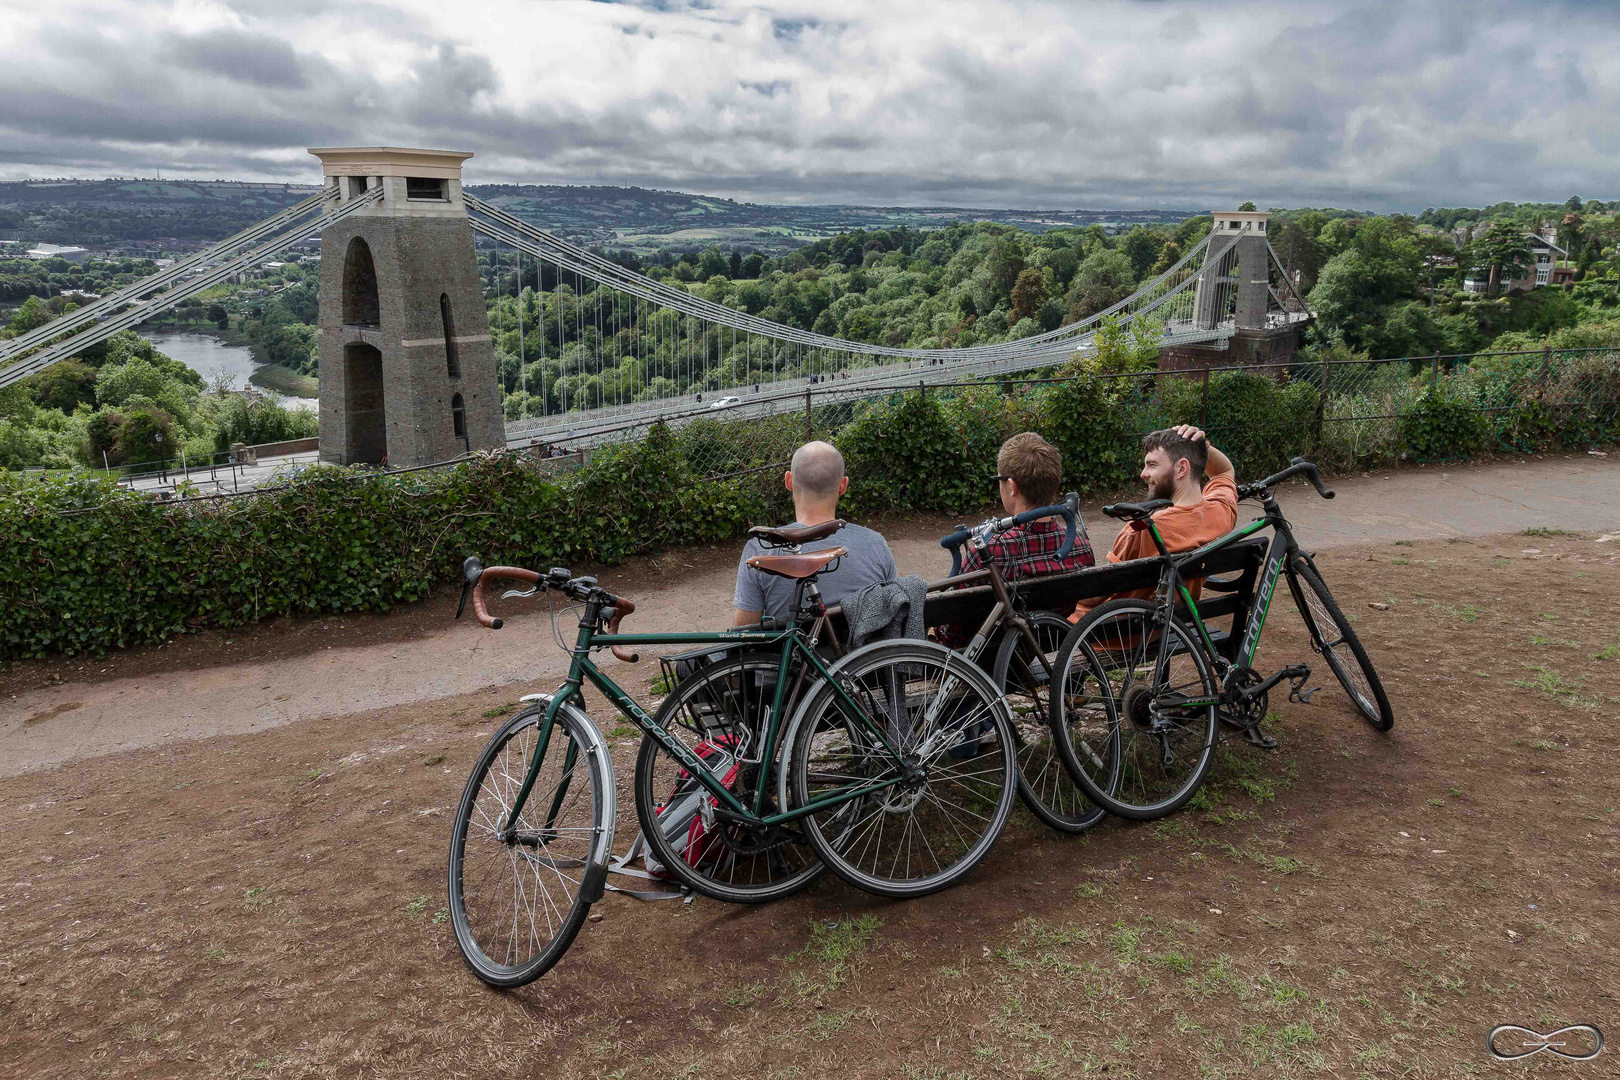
208 355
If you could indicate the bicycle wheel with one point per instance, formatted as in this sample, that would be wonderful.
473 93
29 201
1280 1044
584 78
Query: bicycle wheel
1123 711
1332 636
911 824
515 905
720 715
1024 674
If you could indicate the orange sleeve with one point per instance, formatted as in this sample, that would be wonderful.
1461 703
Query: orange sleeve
1222 490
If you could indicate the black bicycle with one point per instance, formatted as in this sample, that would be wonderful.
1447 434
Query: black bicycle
1142 688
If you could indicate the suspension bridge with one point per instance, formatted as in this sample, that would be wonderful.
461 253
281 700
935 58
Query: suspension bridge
410 371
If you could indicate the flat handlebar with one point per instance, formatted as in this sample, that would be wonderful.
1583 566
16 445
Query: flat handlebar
1068 510
1297 467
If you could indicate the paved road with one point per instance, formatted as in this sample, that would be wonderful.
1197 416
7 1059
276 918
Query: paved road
42 728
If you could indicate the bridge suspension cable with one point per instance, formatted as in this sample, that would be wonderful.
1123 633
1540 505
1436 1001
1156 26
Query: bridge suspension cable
125 310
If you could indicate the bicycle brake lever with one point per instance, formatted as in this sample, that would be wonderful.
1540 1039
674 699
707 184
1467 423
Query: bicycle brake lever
461 605
520 593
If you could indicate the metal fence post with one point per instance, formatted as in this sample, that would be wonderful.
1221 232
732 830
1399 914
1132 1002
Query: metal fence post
1546 361
1321 407
1434 370
809 429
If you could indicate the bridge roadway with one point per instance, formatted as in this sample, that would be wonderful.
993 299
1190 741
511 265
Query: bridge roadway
575 430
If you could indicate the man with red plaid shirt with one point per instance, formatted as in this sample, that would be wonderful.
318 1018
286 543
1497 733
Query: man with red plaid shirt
1028 472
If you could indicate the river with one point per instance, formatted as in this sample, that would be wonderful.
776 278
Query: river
206 354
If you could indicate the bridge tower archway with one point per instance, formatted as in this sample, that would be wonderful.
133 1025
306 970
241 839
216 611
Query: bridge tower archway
407 361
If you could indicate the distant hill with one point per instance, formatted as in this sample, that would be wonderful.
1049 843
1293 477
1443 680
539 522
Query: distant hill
185 214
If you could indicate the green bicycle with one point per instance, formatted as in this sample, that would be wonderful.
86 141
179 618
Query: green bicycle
1142 688
869 778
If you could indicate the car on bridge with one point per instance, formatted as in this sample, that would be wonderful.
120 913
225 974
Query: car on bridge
726 403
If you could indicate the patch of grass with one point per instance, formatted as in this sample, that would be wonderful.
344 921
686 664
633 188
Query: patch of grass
254 897
1612 652
834 945
745 996
1401 562
624 731
416 907
1545 745
187 784
1554 686
828 1024
1548 532
315 774
499 710
1467 613
442 915
658 686
1088 890
1126 942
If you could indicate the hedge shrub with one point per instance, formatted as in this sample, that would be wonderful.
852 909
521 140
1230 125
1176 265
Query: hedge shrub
1443 424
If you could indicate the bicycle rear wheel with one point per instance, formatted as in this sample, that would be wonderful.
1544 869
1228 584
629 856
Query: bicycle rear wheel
1024 674
516 904
1332 636
1129 712
909 825
721 715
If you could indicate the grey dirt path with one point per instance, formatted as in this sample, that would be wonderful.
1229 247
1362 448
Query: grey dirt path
45 727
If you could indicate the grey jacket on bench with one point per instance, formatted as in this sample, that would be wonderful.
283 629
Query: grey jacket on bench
886 609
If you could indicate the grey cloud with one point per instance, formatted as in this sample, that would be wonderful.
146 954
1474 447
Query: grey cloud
1114 104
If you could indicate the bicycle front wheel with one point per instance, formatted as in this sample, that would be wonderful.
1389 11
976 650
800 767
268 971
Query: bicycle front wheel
1136 710
516 901
722 716
916 809
1024 673
1332 636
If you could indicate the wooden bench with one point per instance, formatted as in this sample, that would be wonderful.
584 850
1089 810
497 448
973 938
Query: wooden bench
966 600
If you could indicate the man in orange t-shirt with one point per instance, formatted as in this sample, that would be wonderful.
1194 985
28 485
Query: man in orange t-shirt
1173 465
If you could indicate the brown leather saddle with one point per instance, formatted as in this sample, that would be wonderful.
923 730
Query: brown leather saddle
798 565
796 534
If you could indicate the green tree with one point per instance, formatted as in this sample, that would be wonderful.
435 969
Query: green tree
713 261
1028 294
1141 247
64 385
1102 280
1247 207
1504 250
219 316
147 435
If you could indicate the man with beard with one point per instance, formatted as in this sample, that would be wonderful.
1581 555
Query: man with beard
1173 466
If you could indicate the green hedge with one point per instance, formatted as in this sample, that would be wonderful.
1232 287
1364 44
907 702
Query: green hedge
123 569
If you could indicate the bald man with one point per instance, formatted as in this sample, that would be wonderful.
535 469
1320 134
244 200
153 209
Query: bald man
816 479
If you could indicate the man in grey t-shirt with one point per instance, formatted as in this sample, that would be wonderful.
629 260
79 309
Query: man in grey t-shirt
816 479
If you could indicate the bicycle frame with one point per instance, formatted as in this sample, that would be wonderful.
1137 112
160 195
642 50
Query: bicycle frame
1172 585
791 642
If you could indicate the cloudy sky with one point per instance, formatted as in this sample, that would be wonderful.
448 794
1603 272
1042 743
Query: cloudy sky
1113 103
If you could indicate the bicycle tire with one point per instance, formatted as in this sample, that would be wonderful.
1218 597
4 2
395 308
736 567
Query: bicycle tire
1119 737
586 803
1368 699
722 702
894 682
1044 780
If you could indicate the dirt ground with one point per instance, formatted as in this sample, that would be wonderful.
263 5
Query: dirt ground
271 903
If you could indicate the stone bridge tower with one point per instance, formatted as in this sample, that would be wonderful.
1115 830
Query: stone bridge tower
407 364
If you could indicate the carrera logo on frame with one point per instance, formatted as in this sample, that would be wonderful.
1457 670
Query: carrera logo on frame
1512 1042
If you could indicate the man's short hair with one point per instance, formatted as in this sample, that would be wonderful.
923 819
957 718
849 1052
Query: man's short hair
817 467
1176 448
1034 464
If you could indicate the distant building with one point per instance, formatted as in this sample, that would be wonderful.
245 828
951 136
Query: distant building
1544 256
54 251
